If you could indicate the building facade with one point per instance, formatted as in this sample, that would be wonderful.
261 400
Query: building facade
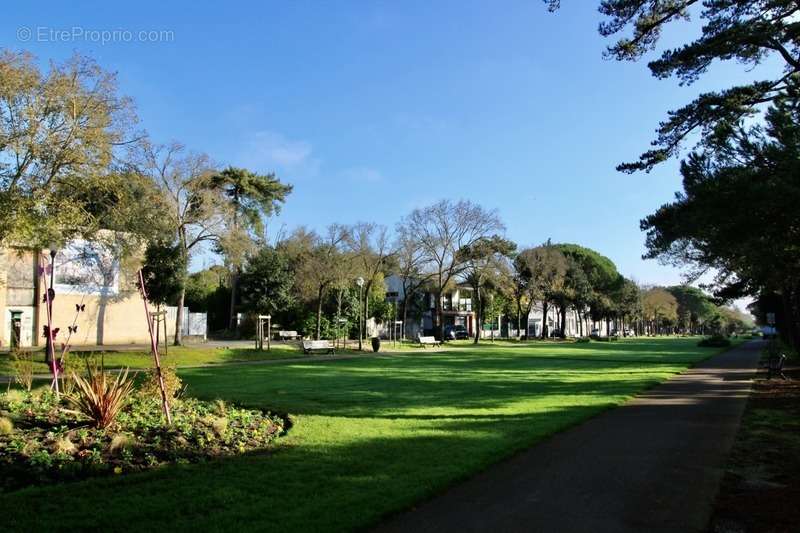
85 277
457 309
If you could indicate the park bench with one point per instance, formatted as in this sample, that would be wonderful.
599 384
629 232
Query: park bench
310 346
426 341
283 335
775 366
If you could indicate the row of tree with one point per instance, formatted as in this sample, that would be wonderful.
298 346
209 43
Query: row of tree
307 281
737 218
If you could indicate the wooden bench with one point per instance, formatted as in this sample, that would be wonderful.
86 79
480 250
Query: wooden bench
428 341
310 346
775 366
283 335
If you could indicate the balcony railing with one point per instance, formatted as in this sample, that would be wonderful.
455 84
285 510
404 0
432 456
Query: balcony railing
462 306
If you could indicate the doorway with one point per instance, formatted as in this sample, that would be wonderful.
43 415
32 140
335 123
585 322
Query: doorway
16 329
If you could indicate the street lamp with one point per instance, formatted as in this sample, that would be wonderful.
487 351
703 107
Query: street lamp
360 283
50 352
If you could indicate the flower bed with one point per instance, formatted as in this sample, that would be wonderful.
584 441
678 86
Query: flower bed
42 440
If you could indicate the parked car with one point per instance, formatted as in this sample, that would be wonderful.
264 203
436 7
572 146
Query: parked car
595 332
452 333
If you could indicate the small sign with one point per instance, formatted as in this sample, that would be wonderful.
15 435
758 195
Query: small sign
771 319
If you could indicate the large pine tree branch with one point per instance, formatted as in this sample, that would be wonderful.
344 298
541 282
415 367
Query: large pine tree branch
707 112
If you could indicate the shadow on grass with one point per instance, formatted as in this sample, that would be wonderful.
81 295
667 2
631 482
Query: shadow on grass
371 437
320 485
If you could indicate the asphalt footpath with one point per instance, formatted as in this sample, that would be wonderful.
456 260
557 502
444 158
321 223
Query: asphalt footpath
653 464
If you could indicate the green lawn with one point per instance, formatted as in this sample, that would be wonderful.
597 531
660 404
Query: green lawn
371 435
176 356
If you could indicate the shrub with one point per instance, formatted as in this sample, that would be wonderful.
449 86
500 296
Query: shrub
308 328
49 443
582 340
99 397
173 385
612 338
715 341
67 383
6 426
22 363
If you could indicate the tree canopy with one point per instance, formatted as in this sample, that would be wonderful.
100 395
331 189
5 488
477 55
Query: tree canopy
748 32
59 131
737 216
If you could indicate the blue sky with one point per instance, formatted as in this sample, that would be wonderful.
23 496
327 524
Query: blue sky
373 108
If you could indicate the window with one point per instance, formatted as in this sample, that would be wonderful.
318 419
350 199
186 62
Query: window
21 288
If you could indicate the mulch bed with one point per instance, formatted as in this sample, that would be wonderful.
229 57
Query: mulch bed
760 491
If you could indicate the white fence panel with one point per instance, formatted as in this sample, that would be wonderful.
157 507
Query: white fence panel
198 324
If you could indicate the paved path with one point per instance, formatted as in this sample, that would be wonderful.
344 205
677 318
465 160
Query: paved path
652 465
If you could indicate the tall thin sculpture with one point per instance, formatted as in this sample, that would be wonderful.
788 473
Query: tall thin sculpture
154 347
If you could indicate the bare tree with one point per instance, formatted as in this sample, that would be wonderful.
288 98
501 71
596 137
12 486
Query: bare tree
373 257
412 268
319 264
193 212
443 229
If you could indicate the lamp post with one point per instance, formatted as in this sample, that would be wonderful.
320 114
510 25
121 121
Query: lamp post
360 283
50 352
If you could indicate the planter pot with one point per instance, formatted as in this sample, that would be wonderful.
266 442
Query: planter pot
376 344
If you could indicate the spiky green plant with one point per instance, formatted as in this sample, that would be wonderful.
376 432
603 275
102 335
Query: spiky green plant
98 396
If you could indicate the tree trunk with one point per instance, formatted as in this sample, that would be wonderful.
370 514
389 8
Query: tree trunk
178 340
563 321
438 321
366 309
545 309
319 312
405 315
519 319
478 314
232 322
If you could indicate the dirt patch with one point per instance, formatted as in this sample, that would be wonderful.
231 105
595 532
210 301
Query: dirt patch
760 491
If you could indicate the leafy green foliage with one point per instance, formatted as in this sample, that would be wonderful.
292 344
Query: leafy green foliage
57 134
23 368
50 444
252 196
164 272
207 291
694 306
660 309
266 282
98 396
487 272
715 341
370 435
738 213
151 388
